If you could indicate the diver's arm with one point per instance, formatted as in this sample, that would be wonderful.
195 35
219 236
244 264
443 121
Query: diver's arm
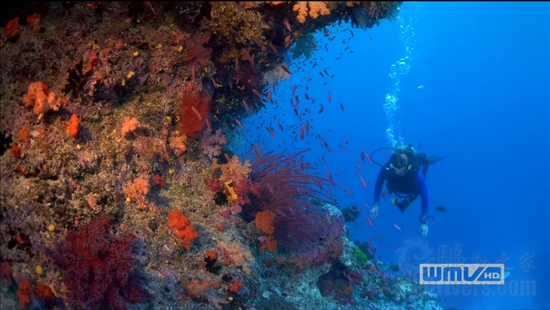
379 184
423 191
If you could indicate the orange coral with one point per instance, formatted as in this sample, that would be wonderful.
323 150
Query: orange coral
24 135
178 144
314 8
264 220
12 30
234 170
211 254
129 126
269 243
137 191
182 228
73 127
234 254
37 96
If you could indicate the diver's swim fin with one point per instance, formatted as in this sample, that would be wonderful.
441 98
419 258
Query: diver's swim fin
434 159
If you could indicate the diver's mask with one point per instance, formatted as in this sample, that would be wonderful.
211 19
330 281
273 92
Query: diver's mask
397 161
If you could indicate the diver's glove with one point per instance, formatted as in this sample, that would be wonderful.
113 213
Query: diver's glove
423 228
374 211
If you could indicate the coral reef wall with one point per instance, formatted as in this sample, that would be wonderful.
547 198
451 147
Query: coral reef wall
117 188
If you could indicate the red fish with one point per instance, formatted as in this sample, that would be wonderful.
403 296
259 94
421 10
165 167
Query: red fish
301 132
257 93
345 139
329 176
348 191
307 127
363 183
239 123
358 166
294 89
369 222
281 127
362 155
368 158
284 67
274 49
196 112
329 98
367 205
343 148
287 24
245 105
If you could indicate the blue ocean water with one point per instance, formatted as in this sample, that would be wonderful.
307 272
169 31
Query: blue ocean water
469 81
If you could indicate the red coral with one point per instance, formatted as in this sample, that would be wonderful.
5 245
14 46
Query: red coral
25 293
98 267
197 56
34 22
289 191
214 185
194 110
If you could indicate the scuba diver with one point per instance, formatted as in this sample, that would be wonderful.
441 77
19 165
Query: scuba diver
405 176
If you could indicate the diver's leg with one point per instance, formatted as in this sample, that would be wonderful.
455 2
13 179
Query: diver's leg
425 169
430 161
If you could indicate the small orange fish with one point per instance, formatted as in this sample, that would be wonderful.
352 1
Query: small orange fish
329 98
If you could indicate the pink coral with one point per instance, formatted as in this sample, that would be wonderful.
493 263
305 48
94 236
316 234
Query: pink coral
211 143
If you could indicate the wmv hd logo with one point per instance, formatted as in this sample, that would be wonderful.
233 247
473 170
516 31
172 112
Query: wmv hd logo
462 274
